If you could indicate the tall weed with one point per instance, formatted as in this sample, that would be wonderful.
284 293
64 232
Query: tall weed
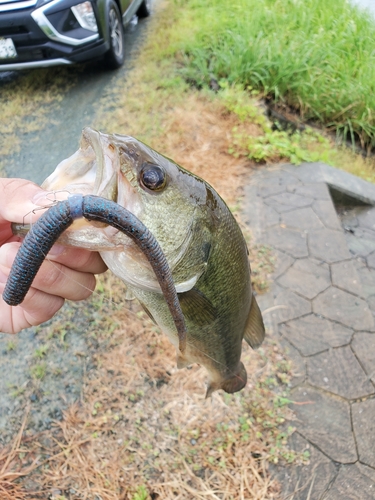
318 56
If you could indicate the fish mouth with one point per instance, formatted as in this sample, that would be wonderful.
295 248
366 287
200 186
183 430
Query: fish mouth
93 169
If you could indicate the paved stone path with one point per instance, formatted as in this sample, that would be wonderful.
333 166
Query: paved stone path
322 307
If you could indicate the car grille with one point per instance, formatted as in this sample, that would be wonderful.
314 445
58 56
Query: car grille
7 5
13 30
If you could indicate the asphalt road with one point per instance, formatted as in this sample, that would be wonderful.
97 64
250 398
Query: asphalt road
41 151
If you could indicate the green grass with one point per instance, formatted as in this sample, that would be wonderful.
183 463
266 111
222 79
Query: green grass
318 56
39 371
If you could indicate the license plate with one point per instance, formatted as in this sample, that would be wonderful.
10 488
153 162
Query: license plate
7 49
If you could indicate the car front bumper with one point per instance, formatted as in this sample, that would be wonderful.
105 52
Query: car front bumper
48 36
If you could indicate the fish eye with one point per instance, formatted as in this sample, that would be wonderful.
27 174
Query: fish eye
153 177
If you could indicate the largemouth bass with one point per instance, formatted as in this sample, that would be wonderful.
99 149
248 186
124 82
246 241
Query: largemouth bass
200 238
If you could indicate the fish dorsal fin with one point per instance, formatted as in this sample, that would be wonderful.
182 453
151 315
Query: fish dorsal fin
254 330
197 307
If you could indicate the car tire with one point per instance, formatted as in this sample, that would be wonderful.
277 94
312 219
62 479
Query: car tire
144 9
115 56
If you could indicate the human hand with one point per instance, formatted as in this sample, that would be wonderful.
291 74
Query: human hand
67 274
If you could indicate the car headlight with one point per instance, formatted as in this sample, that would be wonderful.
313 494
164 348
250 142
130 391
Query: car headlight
73 25
84 14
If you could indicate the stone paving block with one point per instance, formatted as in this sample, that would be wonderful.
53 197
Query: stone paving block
337 305
280 175
306 278
288 305
367 279
306 482
348 220
366 217
364 430
345 276
269 187
286 175
353 482
292 242
314 190
253 212
371 303
349 184
284 202
339 180
328 245
339 372
298 363
312 334
324 420
364 233
283 261
266 303
363 345
271 217
301 218
362 246
371 260
327 214
310 172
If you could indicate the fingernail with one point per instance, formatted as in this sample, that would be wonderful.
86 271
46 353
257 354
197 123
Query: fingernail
41 199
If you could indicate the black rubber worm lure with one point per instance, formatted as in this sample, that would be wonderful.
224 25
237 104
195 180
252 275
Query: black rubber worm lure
58 218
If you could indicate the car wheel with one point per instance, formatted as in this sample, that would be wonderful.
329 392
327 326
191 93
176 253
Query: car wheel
115 56
144 9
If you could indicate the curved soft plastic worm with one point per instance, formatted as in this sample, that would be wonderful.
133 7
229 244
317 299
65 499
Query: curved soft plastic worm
58 218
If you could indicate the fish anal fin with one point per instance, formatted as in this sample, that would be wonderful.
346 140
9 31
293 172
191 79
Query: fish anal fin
254 329
230 385
212 387
182 362
197 307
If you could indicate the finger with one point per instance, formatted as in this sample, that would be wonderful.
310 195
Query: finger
56 279
53 277
37 308
16 198
78 258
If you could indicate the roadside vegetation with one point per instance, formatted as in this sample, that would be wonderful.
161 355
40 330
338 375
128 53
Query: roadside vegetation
143 430
316 56
297 76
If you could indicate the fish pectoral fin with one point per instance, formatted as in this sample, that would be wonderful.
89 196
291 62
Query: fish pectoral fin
182 362
197 307
147 312
128 294
254 330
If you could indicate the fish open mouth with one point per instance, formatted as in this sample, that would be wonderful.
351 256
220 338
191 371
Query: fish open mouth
93 169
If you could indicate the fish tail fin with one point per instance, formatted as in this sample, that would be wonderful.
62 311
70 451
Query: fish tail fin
254 329
233 384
